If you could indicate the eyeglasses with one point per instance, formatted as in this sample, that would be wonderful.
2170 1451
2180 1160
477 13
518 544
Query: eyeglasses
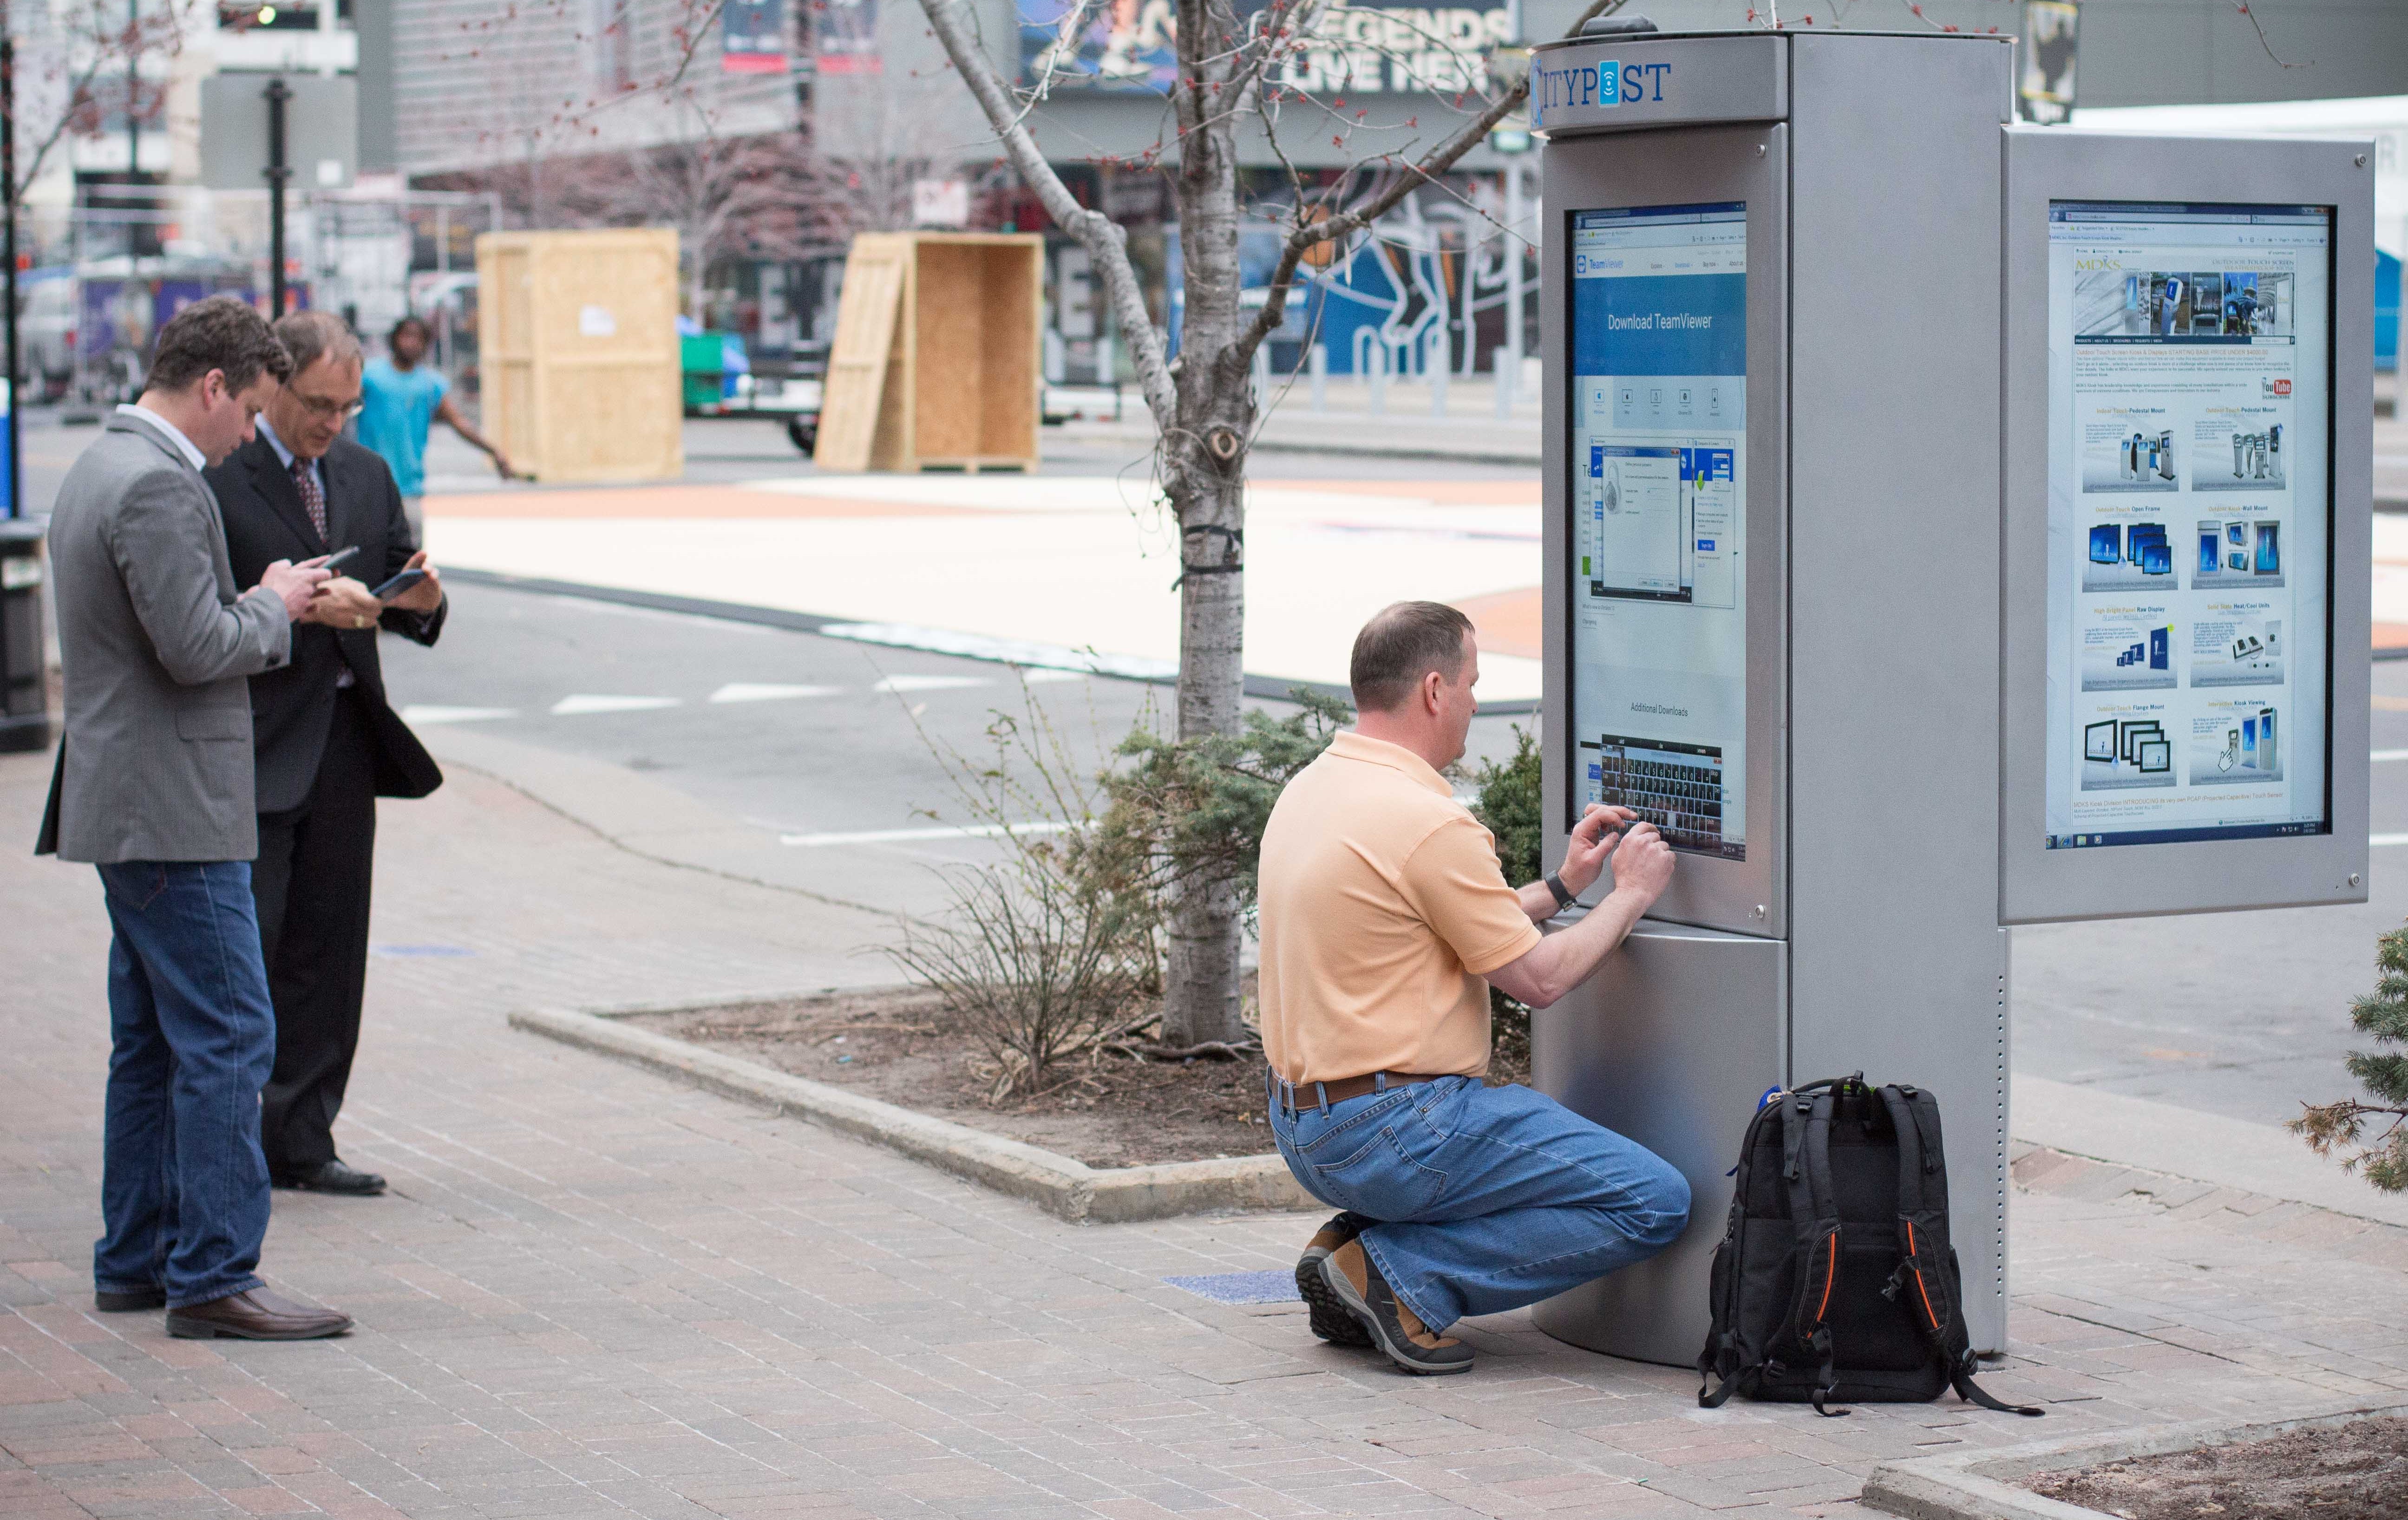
340 410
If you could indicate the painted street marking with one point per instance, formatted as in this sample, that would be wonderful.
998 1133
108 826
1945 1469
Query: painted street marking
1019 652
569 707
419 715
2381 839
895 836
927 683
2389 754
746 691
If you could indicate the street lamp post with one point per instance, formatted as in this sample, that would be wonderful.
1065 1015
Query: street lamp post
278 94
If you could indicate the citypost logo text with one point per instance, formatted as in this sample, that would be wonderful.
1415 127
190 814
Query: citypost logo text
1605 83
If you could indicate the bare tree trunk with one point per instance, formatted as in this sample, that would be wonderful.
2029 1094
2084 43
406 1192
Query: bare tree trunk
1205 477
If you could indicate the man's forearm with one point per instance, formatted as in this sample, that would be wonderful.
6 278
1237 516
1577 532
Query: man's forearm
1563 961
466 429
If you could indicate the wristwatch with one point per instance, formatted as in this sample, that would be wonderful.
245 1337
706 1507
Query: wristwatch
1565 896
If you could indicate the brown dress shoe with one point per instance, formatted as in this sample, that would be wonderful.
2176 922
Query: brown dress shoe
255 1315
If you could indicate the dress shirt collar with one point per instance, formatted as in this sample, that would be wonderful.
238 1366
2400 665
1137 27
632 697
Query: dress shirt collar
170 431
283 456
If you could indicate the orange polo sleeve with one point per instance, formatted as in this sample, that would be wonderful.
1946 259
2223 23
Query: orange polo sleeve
1453 882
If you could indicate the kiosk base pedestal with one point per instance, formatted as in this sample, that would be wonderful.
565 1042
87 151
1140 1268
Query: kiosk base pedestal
1672 1043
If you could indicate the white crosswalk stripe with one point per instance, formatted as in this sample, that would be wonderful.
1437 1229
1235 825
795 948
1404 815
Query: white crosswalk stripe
893 836
569 707
421 715
927 683
748 691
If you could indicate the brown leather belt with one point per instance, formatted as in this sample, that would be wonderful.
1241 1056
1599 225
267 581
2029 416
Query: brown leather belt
1346 1087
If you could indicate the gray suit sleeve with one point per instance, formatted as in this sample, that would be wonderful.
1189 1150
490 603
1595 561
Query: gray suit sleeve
163 543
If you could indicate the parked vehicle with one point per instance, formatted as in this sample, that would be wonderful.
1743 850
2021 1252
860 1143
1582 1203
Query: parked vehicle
46 333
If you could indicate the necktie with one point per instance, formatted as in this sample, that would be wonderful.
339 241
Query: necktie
311 498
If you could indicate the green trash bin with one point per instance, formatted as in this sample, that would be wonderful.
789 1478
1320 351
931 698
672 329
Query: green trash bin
702 359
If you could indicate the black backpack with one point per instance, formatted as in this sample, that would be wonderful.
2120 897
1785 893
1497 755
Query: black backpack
1835 1280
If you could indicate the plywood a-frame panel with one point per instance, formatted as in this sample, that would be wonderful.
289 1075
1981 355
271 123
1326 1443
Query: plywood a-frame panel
580 330
942 331
855 433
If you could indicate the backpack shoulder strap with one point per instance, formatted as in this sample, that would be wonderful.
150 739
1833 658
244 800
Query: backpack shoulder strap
1815 1215
1922 1226
1922 1246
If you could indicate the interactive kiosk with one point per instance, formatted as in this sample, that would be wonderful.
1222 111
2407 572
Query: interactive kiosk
1949 524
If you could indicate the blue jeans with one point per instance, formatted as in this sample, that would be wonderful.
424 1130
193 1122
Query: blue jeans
183 1187
1488 1198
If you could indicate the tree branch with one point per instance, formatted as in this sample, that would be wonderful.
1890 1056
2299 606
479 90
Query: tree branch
1311 234
1105 240
2259 28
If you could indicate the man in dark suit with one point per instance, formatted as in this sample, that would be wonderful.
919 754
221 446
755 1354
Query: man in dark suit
327 744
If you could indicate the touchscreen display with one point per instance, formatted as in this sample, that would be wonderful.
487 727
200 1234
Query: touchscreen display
1659 539
2189 362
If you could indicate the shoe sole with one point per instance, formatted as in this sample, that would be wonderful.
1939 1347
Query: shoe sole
1328 1314
1360 1312
208 1330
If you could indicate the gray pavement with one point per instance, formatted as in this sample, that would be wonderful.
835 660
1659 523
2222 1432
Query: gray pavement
593 1292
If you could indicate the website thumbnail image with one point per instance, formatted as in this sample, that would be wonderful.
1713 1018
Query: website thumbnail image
2229 551
2225 743
2234 304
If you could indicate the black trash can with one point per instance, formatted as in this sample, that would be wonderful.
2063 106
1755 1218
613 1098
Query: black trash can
24 696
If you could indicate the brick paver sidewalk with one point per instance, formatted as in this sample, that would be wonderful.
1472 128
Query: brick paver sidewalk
596 1293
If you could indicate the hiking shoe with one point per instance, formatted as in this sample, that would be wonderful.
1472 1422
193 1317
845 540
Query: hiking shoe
1329 1317
1394 1328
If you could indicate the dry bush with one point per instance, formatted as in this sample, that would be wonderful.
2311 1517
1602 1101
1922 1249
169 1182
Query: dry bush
1049 955
1035 967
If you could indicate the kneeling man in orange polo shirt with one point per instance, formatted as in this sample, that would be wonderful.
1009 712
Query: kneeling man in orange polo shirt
1385 918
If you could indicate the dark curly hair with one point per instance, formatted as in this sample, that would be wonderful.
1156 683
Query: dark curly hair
224 332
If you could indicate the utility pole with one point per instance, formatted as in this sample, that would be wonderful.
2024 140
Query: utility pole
132 104
278 94
1512 246
16 507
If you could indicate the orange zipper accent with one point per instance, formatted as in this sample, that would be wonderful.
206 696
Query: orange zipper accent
1830 1271
1919 1288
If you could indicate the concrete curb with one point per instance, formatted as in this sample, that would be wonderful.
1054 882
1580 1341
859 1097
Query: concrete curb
1063 1187
1977 1485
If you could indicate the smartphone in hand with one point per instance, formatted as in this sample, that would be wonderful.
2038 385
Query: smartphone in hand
400 582
334 561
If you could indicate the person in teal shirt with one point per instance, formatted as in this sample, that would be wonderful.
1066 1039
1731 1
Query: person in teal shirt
400 399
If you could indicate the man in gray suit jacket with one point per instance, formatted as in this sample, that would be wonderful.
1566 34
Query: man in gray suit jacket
153 785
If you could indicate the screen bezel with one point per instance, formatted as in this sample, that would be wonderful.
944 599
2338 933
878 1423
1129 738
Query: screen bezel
2038 884
1747 165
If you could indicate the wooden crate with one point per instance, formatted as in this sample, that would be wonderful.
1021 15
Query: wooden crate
578 344
937 362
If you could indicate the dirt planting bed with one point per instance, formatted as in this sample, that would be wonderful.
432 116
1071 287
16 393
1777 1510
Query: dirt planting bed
2355 1471
896 1045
